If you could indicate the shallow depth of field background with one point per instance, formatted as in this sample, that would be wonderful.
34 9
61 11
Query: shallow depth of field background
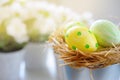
101 9
108 9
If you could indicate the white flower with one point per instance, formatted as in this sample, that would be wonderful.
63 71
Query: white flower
45 25
63 15
49 26
5 13
19 11
87 18
17 29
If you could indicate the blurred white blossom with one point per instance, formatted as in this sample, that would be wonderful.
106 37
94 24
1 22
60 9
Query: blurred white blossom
5 13
87 18
45 25
40 18
17 29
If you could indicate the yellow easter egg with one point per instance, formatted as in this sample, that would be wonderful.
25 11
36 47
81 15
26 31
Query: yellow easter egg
81 38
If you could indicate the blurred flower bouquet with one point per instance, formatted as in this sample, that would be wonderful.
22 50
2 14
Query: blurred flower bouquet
42 18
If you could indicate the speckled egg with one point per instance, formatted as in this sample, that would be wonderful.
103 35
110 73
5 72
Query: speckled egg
81 38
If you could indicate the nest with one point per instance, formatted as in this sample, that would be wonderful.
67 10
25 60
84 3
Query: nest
77 59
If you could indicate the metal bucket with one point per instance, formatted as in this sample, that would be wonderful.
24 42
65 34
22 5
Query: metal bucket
10 65
67 73
109 73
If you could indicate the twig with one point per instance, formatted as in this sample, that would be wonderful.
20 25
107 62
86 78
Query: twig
91 75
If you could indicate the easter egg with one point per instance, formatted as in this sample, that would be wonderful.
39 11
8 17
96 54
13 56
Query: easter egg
106 33
81 38
73 24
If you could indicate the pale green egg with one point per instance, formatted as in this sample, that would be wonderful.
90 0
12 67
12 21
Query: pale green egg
106 33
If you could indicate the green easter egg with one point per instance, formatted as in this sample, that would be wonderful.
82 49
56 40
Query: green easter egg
106 33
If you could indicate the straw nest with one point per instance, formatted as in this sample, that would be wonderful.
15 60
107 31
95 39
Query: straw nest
76 59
